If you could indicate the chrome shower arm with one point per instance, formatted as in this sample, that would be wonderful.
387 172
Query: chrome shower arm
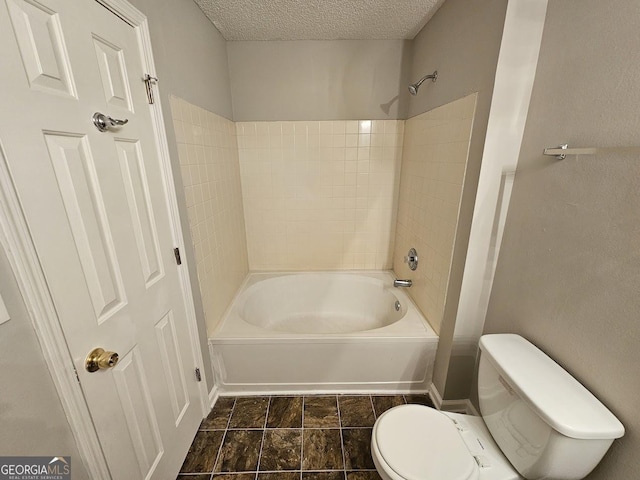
413 88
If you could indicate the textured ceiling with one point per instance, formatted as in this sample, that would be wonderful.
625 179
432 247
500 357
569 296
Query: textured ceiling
319 19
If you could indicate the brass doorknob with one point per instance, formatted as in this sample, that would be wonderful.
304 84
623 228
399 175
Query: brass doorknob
98 359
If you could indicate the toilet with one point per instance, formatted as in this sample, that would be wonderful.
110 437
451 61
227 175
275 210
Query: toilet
538 422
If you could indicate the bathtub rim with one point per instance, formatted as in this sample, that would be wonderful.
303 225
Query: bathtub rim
250 333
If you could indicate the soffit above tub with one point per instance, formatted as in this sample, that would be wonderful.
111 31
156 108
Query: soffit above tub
319 19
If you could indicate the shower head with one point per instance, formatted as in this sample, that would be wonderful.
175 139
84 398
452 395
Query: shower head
413 89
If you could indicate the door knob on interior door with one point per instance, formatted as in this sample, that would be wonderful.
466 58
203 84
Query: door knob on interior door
99 359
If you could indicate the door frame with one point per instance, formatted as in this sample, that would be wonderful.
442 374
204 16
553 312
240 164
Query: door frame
16 240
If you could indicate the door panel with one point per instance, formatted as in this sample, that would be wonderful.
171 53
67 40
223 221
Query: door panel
80 190
140 208
172 363
135 398
113 73
39 36
97 210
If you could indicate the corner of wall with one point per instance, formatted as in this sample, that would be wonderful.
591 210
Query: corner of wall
514 77
405 79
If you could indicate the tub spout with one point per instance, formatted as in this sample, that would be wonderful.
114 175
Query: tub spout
402 283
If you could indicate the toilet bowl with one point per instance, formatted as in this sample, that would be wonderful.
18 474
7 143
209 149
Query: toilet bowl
538 422
415 442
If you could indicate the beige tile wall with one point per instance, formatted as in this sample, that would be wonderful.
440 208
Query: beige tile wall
320 195
323 196
208 153
434 161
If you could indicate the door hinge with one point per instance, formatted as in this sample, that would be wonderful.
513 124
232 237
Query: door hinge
149 81
198 376
176 253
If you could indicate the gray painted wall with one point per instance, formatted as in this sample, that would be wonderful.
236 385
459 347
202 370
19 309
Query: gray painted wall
191 63
190 54
319 80
568 274
462 42
33 421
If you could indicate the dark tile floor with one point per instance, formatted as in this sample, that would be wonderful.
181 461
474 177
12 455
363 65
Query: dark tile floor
324 437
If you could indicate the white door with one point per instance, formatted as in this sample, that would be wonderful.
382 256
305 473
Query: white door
97 211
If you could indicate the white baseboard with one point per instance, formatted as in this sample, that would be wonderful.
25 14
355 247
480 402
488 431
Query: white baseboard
435 396
471 409
320 389
457 406
214 394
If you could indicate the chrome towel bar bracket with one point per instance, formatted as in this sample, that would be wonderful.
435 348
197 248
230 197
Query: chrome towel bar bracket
562 151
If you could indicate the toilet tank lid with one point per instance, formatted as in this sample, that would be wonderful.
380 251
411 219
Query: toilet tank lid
549 390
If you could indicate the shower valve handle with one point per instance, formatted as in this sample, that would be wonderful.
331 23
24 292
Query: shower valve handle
412 259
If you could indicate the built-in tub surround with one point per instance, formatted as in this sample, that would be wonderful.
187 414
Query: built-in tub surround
320 195
323 331
434 161
208 154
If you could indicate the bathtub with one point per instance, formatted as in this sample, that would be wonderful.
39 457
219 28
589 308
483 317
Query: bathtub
322 332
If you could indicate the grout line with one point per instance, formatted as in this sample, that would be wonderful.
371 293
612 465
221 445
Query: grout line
373 408
344 460
302 439
248 428
298 428
233 409
339 428
224 436
264 432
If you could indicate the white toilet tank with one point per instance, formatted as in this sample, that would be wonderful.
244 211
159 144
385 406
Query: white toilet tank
546 423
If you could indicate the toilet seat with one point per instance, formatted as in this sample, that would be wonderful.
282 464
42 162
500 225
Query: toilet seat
414 442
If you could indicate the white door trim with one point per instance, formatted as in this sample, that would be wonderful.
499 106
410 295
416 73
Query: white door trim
21 252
